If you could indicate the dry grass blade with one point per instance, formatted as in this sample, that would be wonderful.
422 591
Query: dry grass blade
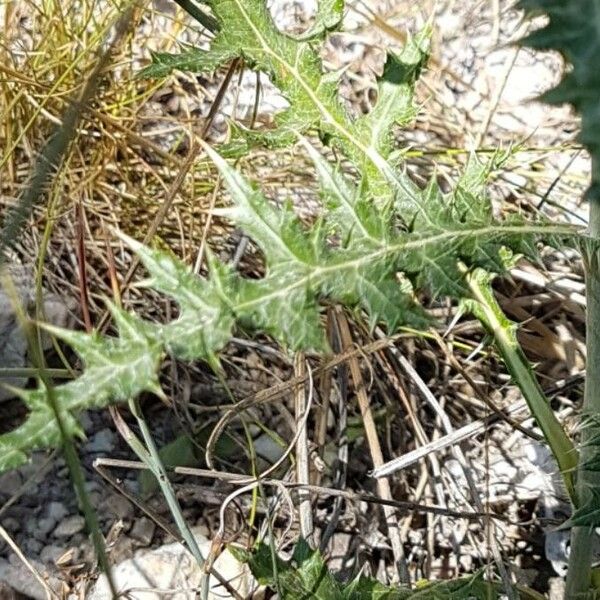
302 461
49 591
173 190
383 485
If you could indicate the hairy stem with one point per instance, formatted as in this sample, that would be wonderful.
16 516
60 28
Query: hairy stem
579 577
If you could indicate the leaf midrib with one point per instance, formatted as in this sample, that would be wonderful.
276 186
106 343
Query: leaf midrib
390 249
368 151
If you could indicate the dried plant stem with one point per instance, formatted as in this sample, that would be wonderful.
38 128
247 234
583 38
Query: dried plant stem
383 484
302 464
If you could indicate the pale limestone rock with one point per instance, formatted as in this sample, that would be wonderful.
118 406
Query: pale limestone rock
150 573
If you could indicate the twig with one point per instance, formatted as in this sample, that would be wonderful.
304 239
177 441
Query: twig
458 435
383 485
237 479
81 266
302 465
341 467
49 591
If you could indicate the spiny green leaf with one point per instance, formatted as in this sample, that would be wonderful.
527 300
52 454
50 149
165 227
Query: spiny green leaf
394 107
116 369
206 318
192 60
247 31
373 257
587 515
306 577
329 16
463 588
285 303
279 233
349 214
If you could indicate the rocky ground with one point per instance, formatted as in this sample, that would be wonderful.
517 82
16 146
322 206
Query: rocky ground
476 95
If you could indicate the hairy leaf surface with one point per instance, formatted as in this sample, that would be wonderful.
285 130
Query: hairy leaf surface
376 269
293 64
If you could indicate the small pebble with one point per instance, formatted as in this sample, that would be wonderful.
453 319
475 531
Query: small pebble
103 441
10 483
143 531
267 448
70 526
118 505
50 554
19 577
92 486
11 525
33 547
57 511
44 527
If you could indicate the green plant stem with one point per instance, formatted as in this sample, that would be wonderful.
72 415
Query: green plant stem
202 17
579 576
71 457
78 480
11 372
488 311
148 453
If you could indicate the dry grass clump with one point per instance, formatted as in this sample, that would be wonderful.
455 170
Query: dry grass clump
119 166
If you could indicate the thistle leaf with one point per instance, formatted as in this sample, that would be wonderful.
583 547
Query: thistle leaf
306 577
285 303
278 232
194 60
349 214
329 16
117 368
247 30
